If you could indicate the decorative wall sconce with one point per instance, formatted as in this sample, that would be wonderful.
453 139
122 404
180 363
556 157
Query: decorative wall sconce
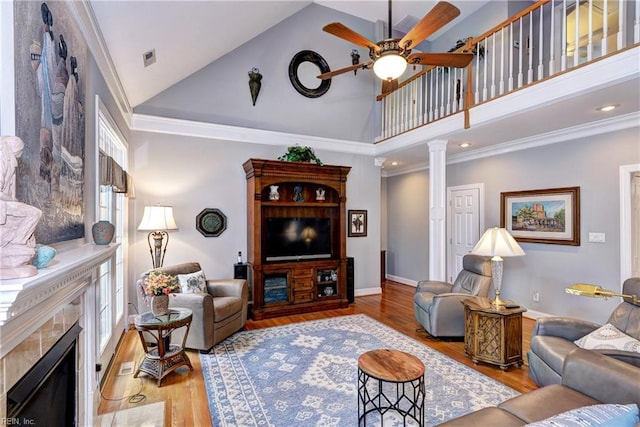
355 59
255 82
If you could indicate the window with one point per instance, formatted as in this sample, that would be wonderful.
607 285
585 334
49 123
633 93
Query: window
112 207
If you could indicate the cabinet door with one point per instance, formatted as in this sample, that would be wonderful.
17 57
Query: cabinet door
327 282
490 337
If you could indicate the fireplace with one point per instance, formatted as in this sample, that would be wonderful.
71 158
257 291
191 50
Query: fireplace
46 394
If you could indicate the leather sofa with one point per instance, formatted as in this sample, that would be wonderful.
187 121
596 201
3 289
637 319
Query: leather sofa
553 337
437 305
217 313
588 378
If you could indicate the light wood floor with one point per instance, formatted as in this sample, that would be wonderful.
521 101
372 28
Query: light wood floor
184 391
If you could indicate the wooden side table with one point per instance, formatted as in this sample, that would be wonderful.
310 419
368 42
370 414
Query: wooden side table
493 334
165 357
390 380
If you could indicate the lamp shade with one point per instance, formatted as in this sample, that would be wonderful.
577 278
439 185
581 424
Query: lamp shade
389 66
497 242
157 218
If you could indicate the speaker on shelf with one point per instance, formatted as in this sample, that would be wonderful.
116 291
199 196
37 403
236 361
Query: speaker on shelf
240 271
350 280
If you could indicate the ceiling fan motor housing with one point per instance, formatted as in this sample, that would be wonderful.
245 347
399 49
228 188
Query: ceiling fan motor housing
388 46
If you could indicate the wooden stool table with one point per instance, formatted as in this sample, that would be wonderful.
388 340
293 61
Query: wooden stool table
165 357
383 372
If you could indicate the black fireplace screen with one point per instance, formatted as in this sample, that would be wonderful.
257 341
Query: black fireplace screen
46 394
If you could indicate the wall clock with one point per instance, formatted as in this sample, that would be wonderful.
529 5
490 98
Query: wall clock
211 222
315 59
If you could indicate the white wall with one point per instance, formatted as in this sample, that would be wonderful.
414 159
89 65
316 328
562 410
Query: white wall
196 173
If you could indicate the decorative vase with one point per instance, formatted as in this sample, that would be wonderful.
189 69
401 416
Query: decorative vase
160 305
102 232
44 255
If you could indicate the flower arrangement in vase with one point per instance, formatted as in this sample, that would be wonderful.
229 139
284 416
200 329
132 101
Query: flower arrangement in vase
156 289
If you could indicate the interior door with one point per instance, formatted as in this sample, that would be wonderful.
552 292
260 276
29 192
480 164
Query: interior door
464 225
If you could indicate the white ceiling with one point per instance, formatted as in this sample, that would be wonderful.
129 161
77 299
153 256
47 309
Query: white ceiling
188 35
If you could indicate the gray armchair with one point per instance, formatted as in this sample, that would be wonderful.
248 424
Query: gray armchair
437 305
552 337
217 314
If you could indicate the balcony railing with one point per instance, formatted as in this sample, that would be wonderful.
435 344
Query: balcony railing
548 38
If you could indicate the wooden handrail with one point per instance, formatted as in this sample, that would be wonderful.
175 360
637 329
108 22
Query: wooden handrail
511 20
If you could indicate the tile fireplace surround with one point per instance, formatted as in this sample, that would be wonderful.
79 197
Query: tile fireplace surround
35 312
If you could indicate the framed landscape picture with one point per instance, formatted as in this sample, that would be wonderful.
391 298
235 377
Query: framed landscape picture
542 216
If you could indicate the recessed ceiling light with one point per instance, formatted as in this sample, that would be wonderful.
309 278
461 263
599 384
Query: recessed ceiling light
464 144
609 107
395 163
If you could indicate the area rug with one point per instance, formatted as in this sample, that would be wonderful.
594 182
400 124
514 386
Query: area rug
305 374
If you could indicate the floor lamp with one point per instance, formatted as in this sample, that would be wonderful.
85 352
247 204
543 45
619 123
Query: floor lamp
157 220
497 243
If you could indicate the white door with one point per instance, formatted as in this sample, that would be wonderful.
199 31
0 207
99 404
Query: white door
464 225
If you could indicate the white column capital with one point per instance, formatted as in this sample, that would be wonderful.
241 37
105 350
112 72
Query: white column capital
437 145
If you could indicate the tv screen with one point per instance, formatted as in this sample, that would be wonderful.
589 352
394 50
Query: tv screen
297 238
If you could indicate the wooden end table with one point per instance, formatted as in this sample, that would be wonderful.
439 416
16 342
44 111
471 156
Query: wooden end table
384 372
493 334
165 357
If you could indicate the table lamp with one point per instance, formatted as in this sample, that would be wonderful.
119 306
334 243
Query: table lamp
497 243
157 220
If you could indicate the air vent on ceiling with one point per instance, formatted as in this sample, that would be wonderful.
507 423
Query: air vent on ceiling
149 57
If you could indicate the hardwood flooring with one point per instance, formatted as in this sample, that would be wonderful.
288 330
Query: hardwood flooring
184 391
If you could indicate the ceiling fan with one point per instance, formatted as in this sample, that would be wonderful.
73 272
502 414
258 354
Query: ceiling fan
389 57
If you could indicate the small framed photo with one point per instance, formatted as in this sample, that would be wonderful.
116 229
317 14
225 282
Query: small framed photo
542 216
357 223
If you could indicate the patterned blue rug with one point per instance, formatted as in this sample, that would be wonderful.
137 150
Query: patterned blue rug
305 374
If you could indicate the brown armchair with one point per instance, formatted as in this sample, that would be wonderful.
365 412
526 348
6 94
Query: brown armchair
217 313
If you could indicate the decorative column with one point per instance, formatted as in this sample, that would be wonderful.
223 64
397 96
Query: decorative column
437 210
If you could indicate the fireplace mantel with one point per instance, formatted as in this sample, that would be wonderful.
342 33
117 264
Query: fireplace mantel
27 303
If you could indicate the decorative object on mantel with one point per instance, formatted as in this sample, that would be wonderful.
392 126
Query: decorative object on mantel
497 243
17 220
157 288
158 220
44 255
255 83
297 153
102 232
211 222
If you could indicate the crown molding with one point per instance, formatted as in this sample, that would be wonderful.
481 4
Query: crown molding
147 123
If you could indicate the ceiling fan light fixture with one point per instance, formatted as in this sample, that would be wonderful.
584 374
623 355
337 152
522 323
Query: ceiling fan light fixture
390 66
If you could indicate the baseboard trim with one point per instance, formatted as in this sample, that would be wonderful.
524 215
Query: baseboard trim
402 280
367 291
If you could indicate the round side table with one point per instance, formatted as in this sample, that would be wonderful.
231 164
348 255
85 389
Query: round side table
390 380
165 357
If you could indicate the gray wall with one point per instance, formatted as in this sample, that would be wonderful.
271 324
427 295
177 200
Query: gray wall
195 173
219 93
592 163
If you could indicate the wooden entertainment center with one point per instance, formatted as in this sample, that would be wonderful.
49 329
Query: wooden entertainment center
302 266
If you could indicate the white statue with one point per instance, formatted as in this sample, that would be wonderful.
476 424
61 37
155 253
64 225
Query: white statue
320 194
273 193
17 220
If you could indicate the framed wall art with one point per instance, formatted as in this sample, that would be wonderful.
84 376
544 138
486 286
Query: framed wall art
357 223
542 216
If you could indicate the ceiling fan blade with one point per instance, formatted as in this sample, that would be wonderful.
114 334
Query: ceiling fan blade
458 60
330 74
438 17
345 33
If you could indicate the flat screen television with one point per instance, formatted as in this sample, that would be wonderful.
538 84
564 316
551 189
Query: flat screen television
297 239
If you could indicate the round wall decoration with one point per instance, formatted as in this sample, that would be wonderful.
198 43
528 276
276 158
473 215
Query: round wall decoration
211 222
317 60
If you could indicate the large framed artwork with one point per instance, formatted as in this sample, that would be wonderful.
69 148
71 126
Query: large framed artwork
542 216
50 68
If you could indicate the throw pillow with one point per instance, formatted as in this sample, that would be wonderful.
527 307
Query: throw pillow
192 282
604 415
608 337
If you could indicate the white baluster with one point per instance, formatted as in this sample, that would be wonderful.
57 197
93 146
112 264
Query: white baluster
576 55
510 47
476 92
530 50
486 71
590 32
540 46
493 65
622 28
563 43
521 50
605 28
552 40
502 66
636 24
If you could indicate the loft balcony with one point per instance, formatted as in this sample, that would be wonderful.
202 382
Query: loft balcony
541 72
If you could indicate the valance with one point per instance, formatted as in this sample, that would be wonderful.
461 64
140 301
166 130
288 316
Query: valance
112 174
